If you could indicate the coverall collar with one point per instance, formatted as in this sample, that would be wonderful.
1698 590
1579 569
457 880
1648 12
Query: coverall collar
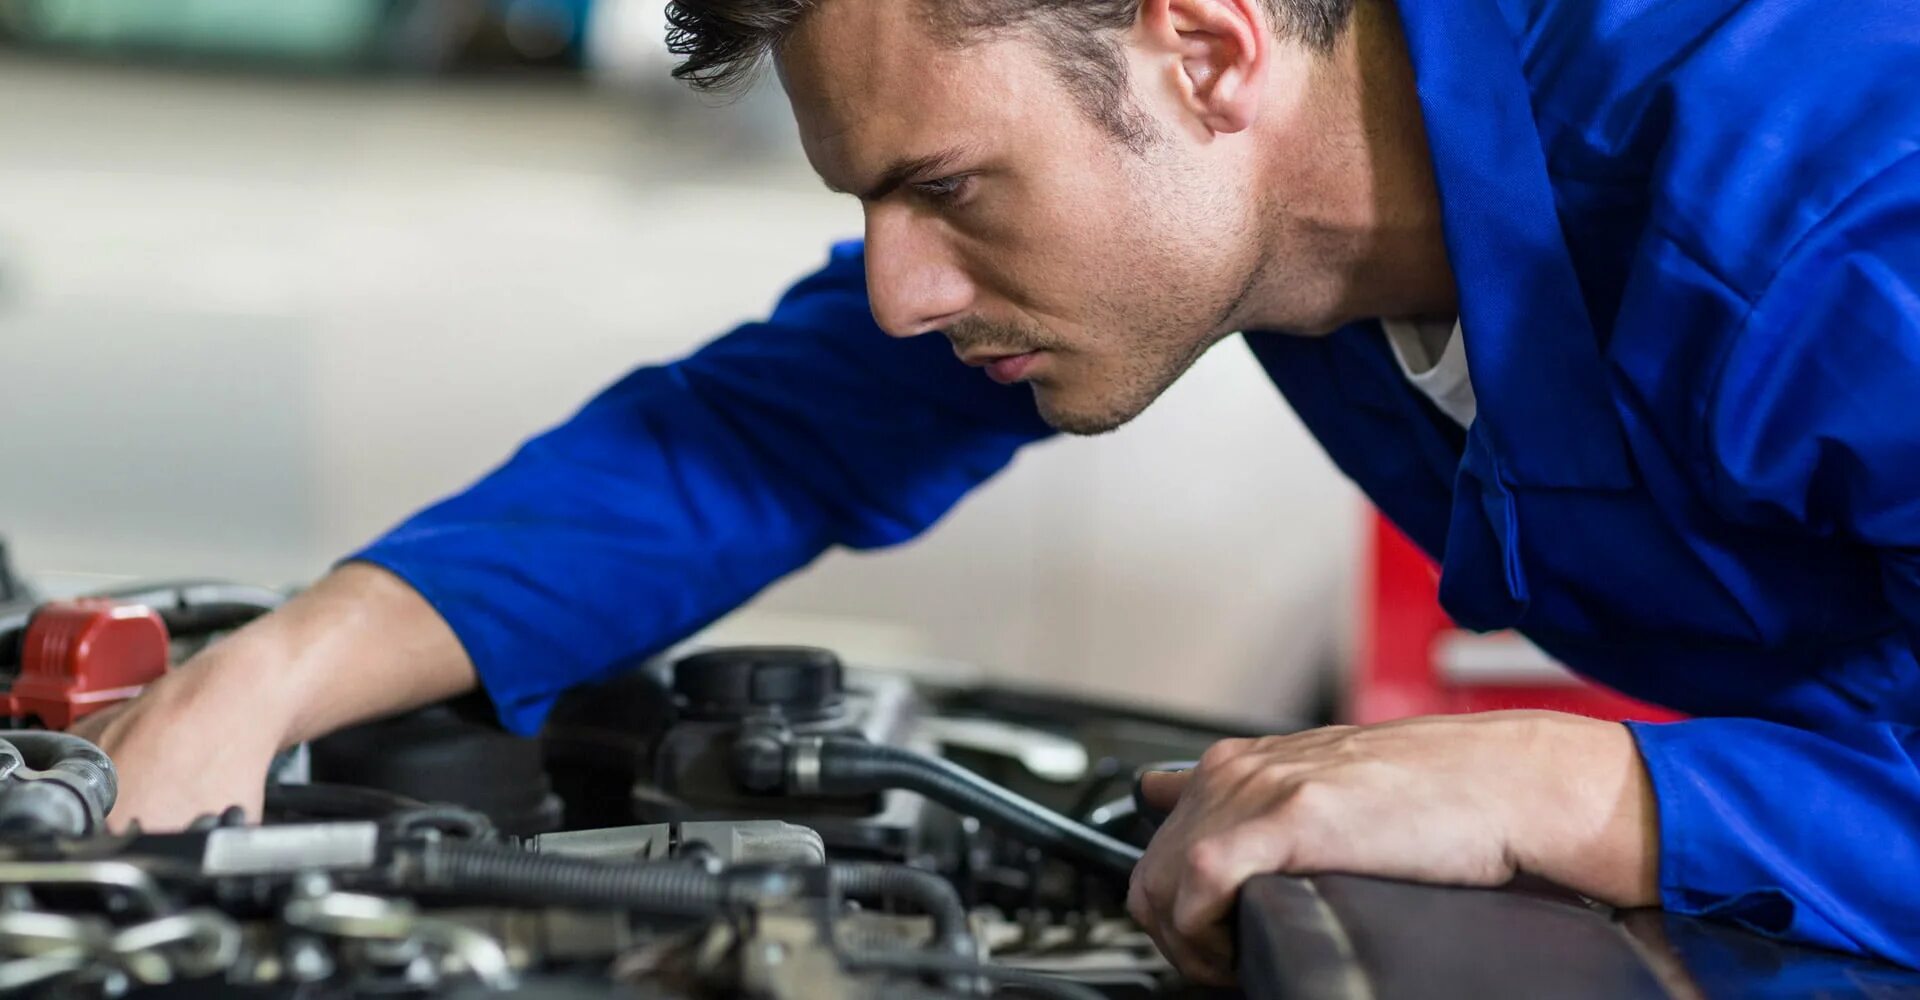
1544 405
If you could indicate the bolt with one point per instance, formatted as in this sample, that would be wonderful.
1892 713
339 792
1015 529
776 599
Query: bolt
312 885
308 961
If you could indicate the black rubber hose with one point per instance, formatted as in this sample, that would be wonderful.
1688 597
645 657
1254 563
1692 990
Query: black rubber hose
922 890
510 875
1149 815
187 608
320 800
855 767
13 587
405 817
197 607
14 619
444 820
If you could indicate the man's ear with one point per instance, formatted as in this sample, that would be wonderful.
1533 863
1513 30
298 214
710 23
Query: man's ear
1218 49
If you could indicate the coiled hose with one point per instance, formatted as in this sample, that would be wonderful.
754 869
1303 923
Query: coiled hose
507 875
846 766
668 889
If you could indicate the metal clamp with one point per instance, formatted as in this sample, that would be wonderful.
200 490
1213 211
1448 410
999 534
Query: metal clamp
805 765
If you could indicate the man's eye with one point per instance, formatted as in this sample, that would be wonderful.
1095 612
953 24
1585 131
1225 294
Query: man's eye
944 190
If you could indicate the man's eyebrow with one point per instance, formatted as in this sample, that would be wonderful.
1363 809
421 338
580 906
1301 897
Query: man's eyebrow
902 171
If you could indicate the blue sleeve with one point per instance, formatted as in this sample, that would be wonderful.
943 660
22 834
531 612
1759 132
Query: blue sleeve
684 489
1814 427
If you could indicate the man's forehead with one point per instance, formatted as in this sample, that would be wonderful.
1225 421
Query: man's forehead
869 79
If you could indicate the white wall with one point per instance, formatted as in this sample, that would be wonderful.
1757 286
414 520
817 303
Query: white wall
245 324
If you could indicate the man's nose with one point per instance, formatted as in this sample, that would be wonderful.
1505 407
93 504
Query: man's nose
915 283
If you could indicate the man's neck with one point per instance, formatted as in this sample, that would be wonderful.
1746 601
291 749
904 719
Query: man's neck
1381 212
1407 274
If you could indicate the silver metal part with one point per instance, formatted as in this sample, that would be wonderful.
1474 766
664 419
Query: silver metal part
393 931
757 842
751 842
1048 756
262 850
787 959
37 948
351 915
555 935
480 955
806 765
191 944
55 783
112 876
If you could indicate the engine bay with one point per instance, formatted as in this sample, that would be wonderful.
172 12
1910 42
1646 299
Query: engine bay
757 821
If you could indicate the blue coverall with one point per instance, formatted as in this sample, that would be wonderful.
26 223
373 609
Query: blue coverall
1687 240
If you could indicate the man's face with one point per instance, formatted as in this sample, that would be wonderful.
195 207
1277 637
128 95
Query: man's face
1000 213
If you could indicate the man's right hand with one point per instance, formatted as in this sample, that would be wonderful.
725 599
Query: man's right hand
190 745
358 645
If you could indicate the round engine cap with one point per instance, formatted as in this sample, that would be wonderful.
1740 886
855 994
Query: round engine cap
798 682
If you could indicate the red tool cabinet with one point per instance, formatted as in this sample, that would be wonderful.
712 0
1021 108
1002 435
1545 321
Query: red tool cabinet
1413 661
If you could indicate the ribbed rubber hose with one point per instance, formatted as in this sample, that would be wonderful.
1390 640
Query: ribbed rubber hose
504 874
663 889
856 767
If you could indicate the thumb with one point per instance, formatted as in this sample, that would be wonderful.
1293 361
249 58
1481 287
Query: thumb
1161 789
93 727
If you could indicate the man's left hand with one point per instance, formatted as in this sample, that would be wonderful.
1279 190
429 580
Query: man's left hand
1459 800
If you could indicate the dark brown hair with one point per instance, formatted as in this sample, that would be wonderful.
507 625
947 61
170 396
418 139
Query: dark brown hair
723 42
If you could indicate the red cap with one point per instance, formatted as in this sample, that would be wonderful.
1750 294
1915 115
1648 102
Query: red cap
81 656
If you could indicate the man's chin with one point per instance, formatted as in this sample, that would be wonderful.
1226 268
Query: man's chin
1080 421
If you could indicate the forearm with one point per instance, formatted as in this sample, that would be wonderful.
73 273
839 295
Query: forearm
357 645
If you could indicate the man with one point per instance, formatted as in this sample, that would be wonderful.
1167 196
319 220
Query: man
1650 282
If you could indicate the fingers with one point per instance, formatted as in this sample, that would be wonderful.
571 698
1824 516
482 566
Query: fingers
1224 829
1205 958
1217 867
1162 789
1196 917
93 727
1187 918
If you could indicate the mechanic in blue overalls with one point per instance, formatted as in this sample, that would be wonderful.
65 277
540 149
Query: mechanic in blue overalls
1612 305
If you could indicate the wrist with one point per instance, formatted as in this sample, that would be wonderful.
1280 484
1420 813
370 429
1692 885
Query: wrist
1586 817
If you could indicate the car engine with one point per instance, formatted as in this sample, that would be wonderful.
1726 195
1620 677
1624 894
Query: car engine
737 821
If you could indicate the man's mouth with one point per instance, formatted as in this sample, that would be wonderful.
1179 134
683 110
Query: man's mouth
1005 369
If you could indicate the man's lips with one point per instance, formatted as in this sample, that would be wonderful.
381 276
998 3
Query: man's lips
1005 369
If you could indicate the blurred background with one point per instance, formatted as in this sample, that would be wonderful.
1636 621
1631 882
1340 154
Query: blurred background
274 273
